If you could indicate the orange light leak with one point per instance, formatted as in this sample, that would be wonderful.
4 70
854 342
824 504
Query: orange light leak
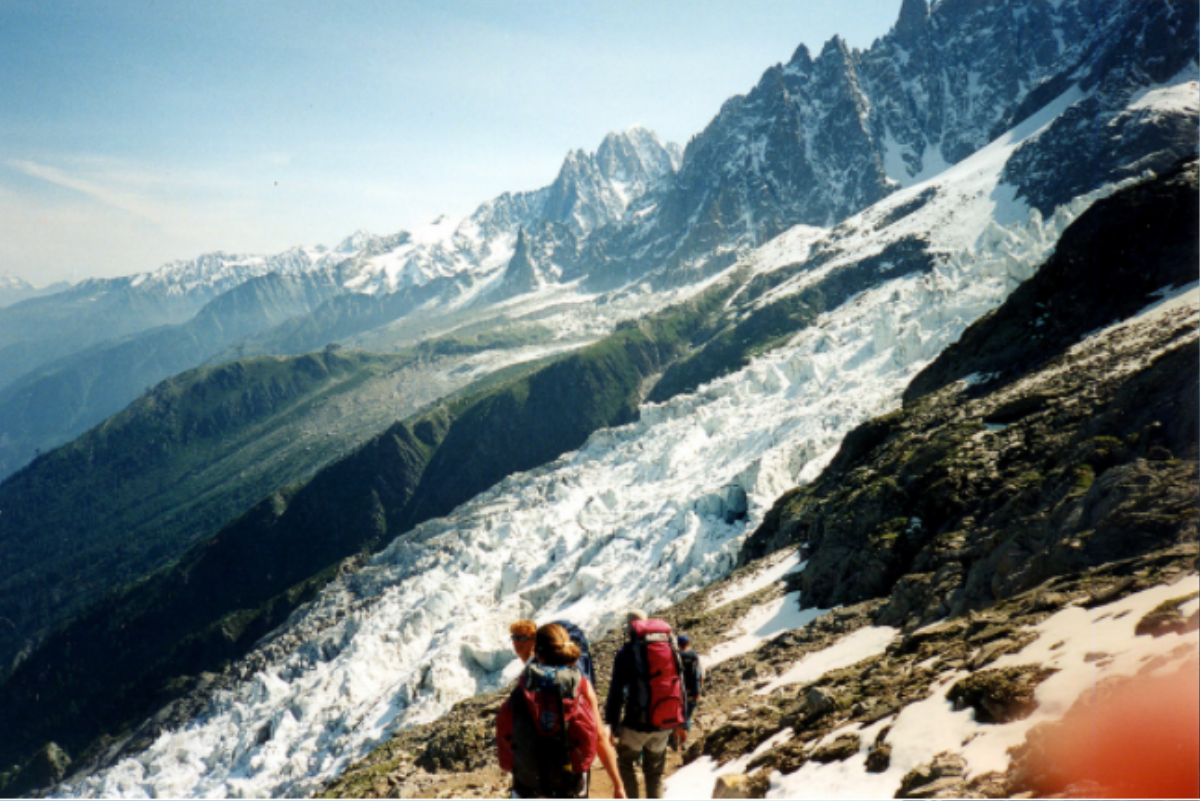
1141 741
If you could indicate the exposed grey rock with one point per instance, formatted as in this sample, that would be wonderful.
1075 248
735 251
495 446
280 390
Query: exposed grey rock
522 274
819 701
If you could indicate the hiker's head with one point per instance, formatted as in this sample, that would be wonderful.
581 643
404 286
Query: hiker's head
523 633
554 647
633 616
685 642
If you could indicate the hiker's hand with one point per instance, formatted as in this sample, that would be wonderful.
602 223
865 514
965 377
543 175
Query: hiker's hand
619 792
681 735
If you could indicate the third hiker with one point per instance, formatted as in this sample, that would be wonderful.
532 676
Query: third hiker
693 682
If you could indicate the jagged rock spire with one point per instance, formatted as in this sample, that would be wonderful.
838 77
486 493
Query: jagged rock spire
914 14
802 58
521 275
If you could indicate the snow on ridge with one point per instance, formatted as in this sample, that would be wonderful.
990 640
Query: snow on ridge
597 531
928 727
1068 641
774 568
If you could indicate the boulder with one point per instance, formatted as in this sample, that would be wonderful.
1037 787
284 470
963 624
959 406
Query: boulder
942 777
1000 695
819 701
879 759
840 748
1167 619
735 785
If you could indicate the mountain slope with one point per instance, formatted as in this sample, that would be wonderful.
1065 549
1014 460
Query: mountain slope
43 330
14 289
1066 563
451 266
136 491
950 506
60 401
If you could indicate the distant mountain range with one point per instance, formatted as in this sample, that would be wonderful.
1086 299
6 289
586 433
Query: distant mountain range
14 289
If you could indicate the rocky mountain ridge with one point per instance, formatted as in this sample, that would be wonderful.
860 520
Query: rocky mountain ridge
821 138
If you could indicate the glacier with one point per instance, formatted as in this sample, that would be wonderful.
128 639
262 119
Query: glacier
634 517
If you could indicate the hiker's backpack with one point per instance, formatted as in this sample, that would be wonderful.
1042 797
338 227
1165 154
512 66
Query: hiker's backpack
693 673
659 674
584 663
546 733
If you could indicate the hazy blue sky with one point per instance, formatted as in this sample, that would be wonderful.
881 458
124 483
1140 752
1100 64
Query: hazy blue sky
136 133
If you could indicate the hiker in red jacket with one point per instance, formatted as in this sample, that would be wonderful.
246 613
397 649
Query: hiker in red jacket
549 730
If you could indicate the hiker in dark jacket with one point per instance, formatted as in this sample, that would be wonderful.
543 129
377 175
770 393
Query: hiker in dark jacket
693 671
634 740
693 676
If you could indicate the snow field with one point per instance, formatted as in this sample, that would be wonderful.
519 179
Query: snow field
1068 641
929 727
850 650
772 569
761 624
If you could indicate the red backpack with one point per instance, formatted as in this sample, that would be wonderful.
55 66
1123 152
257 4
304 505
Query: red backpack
546 733
659 672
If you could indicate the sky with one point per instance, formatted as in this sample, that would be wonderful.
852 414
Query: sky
137 133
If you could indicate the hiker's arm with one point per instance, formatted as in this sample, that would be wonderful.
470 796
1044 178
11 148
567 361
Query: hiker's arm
613 705
604 747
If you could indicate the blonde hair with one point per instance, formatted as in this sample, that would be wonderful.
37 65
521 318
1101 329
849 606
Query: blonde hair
554 647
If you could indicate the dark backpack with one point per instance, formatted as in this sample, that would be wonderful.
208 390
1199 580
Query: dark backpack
659 675
691 672
546 733
584 663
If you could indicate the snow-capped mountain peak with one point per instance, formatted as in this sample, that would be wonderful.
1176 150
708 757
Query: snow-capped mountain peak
591 190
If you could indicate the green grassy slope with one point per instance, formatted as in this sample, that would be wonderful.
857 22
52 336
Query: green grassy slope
134 492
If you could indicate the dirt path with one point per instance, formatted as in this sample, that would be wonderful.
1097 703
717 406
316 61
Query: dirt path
602 786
